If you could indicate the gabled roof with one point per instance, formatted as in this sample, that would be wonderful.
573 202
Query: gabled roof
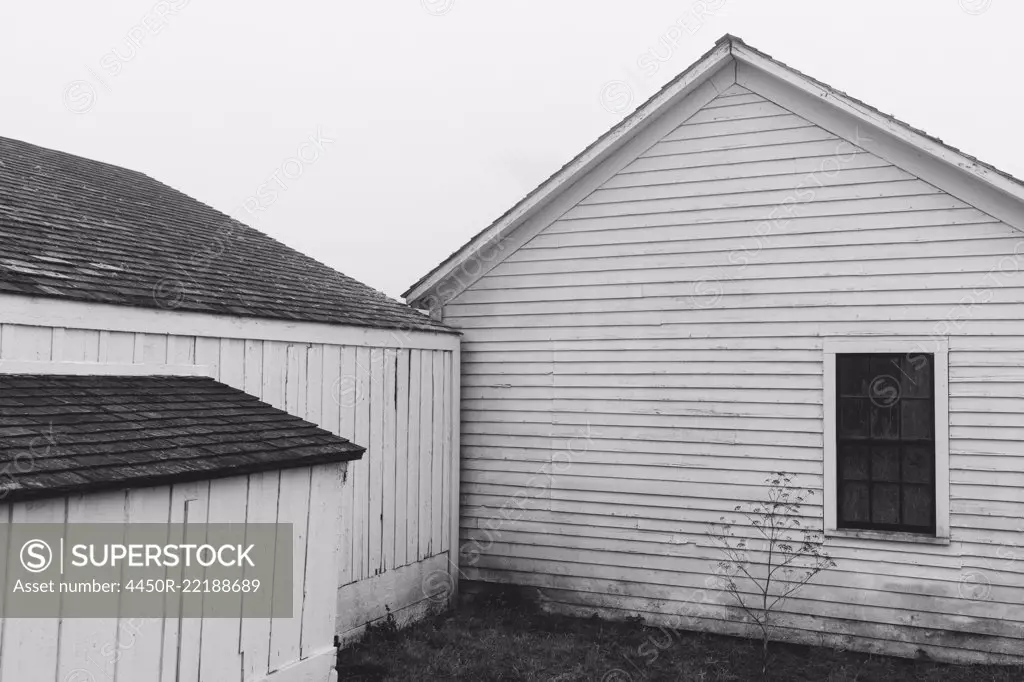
79 229
454 275
73 434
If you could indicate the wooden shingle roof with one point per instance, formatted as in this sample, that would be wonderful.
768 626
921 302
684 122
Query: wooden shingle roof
71 434
89 231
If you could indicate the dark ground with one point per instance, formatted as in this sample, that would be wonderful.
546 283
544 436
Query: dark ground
494 639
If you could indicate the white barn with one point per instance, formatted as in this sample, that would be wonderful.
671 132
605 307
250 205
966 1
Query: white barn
716 289
105 271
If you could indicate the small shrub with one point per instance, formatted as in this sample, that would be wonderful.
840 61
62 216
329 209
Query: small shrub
384 629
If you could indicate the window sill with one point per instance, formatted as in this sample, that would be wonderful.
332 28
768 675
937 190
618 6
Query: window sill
888 536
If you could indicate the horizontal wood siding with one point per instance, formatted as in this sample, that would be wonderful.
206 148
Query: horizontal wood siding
164 650
391 400
635 371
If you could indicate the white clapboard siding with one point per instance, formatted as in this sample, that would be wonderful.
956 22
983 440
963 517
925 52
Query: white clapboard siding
395 505
637 368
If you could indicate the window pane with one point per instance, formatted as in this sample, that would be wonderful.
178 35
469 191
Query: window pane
917 463
917 505
885 423
853 462
884 383
917 375
885 463
853 418
852 370
916 419
853 505
885 503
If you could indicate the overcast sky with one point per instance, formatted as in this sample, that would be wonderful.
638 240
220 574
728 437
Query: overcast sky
435 116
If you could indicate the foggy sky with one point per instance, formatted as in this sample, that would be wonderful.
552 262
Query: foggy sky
430 118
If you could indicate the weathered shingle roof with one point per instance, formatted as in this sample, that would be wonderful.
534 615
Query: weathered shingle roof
80 229
72 434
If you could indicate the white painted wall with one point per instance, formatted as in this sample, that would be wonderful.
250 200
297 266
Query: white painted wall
194 649
391 391
634 371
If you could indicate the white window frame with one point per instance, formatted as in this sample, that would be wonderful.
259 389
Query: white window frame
939 348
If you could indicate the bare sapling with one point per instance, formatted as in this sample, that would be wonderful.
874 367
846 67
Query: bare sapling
771 556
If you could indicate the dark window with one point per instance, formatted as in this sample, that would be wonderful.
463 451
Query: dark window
885 442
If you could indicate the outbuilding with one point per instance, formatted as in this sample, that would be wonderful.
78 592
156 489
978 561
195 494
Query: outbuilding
107 274
754 272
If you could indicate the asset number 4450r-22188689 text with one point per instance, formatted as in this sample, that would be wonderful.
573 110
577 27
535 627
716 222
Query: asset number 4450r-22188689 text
192 585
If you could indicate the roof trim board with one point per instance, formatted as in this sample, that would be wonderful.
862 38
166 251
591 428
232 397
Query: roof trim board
964 177
60 313
44 367
983 186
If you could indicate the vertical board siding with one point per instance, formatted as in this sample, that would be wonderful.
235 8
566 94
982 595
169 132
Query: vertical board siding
437 459
342 393
449 465
363 468
395 504
426 445
376 482
321 576
30 645
262 504
165 650
18 342
194 510
229 503
293 508
88 643
416 406
638 368
388 478
402 369
140 652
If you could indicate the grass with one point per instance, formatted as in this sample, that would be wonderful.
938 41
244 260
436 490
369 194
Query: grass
496 639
